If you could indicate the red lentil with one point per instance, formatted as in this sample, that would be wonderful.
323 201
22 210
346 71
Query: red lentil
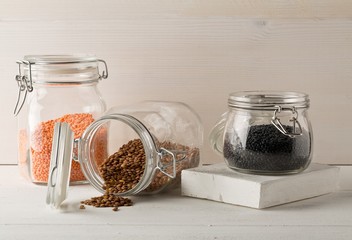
41 144
22 152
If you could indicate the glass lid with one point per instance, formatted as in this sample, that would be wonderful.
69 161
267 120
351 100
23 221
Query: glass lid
267 99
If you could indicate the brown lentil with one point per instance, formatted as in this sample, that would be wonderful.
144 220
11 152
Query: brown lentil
108 200
123 170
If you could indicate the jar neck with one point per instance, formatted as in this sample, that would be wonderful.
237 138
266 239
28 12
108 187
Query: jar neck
58 85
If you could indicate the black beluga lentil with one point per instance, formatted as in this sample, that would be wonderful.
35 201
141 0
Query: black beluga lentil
265 150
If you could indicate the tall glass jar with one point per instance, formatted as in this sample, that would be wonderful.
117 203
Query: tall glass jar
265 133
149 144
56 88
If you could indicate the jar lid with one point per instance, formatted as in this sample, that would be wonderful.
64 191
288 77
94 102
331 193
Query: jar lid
62 69
56 70
60 164
267 100
59 59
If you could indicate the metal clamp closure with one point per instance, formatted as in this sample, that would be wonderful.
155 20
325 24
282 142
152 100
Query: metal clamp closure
168 160
296 126
165 168
105 73
25 85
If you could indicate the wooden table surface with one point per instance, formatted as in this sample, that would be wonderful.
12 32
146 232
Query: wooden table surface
24 215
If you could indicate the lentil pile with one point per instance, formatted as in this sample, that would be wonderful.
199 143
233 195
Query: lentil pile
123 170
266 149
41 145
107 200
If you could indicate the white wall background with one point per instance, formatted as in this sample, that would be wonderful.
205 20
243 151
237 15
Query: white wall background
196 52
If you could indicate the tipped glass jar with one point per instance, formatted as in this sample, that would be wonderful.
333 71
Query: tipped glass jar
265 133
148 143
55 88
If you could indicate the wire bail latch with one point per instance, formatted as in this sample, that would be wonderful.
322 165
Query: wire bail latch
25 85
296 126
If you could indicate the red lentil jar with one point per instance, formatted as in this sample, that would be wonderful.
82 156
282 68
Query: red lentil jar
56 88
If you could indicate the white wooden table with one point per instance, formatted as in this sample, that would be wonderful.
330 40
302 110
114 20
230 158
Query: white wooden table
24 215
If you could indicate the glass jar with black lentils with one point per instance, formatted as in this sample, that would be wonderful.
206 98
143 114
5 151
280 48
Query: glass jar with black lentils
148 144
265 132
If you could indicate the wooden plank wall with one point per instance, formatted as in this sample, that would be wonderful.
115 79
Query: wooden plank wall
196 52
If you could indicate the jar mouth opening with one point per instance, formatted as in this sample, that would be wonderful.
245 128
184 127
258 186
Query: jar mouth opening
262 100
89 167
